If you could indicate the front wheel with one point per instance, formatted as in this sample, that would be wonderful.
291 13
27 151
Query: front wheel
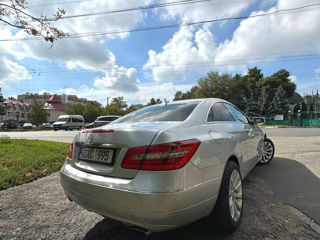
268 152
228 209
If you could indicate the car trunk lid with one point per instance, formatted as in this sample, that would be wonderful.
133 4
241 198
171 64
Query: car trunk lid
117 139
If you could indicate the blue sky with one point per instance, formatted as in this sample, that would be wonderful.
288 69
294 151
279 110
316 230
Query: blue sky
157 63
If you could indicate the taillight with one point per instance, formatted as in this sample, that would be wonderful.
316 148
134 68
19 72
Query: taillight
70 153
162 157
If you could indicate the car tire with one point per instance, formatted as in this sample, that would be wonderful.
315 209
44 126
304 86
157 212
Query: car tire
267 153
228 209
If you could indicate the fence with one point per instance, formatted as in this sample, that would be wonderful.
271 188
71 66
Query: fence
307 119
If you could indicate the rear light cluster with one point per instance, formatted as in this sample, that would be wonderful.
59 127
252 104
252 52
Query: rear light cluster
162 157
70 153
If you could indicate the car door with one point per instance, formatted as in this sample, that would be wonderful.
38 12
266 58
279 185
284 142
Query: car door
250 137
224 128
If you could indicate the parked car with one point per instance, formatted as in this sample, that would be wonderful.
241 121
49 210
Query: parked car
69 122
166 165
89 125
27 126
103 120
3 126
46 126
12 125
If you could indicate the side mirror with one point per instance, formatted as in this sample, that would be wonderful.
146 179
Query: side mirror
259 120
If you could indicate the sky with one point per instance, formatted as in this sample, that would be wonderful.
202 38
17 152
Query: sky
156 63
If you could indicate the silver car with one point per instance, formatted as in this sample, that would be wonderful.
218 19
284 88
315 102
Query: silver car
165 166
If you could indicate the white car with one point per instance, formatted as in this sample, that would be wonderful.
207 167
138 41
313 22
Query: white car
69 122
167 165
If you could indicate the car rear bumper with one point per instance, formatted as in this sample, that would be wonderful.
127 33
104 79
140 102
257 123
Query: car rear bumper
150 210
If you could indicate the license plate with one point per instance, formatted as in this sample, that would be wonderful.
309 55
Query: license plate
96 154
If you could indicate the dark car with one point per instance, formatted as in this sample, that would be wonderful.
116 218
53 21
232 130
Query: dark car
3 126
103 120
12 125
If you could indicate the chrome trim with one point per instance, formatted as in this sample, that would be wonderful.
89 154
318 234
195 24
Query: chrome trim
104 145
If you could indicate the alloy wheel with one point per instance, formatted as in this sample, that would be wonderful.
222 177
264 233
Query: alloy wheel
235 195
267 152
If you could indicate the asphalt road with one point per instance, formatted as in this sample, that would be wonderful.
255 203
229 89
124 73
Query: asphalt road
67 136
281 200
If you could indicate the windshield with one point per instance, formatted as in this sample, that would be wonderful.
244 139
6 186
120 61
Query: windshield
170 112
62 119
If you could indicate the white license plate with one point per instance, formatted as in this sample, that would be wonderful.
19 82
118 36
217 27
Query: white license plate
96 154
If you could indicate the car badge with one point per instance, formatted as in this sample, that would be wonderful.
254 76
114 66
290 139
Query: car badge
90 137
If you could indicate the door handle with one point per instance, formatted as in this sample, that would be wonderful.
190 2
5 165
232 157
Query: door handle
251 133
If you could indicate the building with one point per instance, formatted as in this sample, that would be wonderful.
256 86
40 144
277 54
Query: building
30 97
65 99
55 107
294 100
15 111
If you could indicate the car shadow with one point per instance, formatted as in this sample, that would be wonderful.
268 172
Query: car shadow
282 181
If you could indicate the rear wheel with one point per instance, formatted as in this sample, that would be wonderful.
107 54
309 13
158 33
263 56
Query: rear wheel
268 152
228 209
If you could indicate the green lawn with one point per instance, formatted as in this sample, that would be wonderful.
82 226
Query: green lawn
23 161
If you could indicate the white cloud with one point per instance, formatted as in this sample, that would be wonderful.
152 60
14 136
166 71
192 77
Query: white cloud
293 79
85 53
270 37
200 11
12 71
145 92
185 52
119 78
98 23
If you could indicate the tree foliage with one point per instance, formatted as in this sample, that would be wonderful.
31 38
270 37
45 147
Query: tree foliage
2 109
154 101
15 13
254 93
38 114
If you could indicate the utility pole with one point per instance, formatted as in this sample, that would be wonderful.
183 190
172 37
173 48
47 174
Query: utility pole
107 105
315 106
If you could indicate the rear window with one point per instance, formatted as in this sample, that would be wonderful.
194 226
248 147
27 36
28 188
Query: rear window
62 119
108 119
158 113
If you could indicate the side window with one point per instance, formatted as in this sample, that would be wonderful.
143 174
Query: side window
210 116
239 116
219 113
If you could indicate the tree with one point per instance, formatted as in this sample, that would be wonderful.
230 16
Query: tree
279 102
38 114
2 108
76 109
91 111
152 102
119 102
15 14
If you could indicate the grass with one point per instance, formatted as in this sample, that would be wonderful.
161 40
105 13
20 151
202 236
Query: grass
23 161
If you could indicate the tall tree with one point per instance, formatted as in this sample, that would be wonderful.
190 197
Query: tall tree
119 102
91 111
279 101
2 109
38 114
15 14
76 109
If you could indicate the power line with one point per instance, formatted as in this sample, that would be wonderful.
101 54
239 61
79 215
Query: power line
81 35
161 5
195 65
